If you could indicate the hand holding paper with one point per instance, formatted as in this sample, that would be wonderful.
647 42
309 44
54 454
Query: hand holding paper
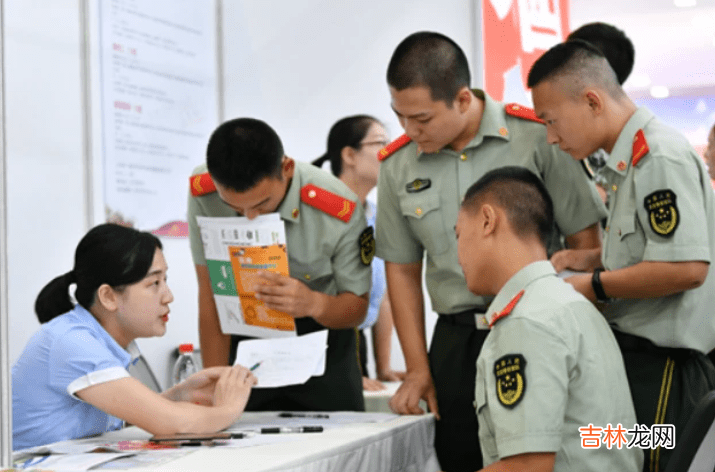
286 294
285 361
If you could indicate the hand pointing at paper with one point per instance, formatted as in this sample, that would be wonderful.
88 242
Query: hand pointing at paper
293 297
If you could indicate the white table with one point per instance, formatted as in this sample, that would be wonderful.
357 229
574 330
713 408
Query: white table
405 443
379 400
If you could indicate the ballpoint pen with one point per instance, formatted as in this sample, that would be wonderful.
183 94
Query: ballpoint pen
292 429
288 414
255 366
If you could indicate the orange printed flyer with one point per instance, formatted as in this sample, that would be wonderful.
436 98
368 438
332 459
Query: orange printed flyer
235 249
246 262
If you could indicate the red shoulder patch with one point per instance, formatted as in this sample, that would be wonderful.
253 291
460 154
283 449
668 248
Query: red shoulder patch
507 309
201 184
640 147
393 147
520 111
332 204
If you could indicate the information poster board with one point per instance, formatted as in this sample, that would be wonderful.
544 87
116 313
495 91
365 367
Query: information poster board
154 106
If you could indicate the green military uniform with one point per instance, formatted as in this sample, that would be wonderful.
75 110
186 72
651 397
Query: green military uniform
550 366
324 252
661 209
419 195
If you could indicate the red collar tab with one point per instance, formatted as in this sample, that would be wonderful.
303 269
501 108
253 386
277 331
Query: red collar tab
640 147
507 309
393 147
332 204
520 111
201 184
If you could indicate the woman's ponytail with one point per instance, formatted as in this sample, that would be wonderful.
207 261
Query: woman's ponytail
54 299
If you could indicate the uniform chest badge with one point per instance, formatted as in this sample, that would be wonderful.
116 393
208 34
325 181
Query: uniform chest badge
510 373
662 212
367 245
418 185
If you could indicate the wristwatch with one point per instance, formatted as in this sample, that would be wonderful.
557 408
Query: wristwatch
598 286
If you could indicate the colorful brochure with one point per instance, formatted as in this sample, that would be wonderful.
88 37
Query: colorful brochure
236 248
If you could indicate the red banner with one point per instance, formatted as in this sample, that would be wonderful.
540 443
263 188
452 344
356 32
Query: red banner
515 34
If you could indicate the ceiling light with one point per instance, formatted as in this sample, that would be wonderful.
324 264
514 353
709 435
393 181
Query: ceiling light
659 91
685 3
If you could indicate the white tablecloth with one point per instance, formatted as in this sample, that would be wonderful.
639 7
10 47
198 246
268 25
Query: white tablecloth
379 400
405 443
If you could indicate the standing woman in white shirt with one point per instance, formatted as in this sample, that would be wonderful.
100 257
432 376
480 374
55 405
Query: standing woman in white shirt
71 380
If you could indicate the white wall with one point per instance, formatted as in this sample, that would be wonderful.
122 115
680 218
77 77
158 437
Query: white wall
44 152
298 65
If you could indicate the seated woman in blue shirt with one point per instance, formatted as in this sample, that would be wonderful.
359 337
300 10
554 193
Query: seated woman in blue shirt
71 380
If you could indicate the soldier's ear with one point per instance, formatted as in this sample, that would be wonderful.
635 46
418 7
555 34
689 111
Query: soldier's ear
464 99
288 167
594 100
489 219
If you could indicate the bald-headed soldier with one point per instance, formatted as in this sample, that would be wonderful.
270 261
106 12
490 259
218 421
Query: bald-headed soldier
653 273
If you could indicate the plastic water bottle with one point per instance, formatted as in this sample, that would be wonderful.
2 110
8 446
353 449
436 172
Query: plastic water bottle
185 364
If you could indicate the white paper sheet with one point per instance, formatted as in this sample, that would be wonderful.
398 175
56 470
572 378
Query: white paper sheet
284 361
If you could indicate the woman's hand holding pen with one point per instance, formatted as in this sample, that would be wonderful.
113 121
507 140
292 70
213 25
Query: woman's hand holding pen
233 388
198 388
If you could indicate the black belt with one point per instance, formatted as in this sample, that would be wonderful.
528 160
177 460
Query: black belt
462 318
632 343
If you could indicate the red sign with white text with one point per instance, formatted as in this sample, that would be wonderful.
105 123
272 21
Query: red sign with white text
515 34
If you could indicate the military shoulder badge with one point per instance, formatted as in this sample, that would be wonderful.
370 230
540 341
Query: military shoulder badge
393 147
520 111
201 184
507 309
510 373
640 147
662 212
334 205
367 245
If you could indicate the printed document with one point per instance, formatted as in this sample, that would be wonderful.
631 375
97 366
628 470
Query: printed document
236 249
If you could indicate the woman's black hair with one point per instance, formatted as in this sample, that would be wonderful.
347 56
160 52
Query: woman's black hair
107 254
348 131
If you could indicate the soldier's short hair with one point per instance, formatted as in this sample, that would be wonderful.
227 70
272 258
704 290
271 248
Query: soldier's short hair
612 42
580 63
522 196
429 60
242 152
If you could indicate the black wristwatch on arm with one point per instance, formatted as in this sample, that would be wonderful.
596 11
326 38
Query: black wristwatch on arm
598 286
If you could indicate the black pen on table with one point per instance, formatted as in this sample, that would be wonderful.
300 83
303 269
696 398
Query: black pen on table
292 429
289 414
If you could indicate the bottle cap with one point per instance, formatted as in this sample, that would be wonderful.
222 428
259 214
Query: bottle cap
186 348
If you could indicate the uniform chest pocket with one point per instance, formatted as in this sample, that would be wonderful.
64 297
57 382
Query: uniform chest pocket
317 273
627 242
425 216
